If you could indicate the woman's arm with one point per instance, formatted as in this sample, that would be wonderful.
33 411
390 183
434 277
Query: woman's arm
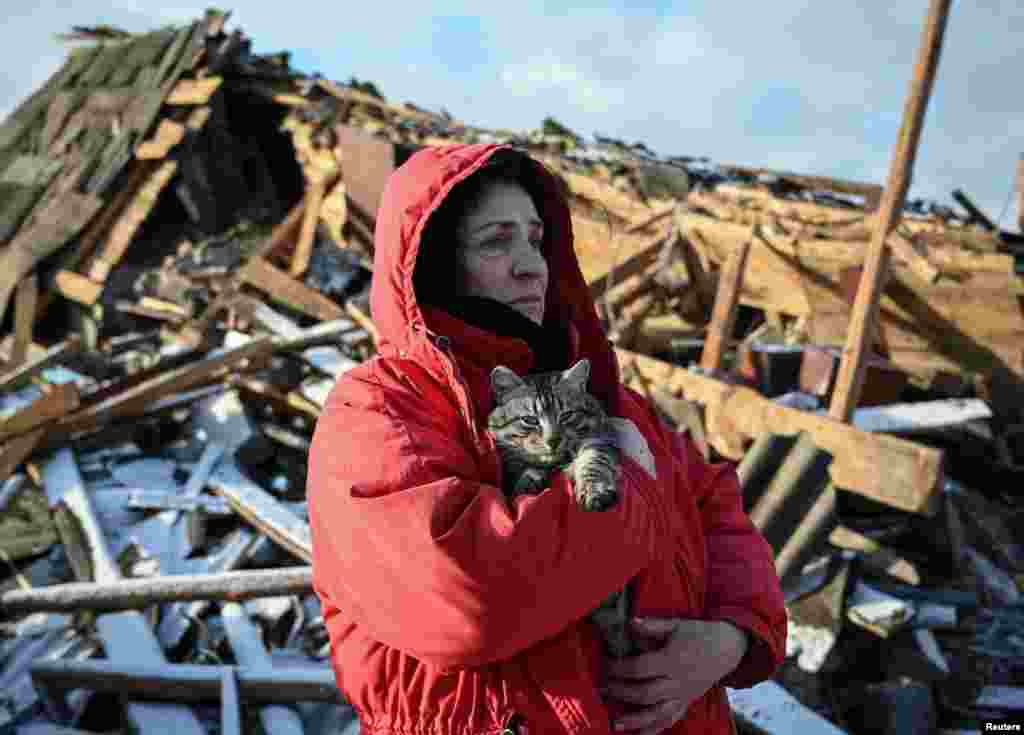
428 559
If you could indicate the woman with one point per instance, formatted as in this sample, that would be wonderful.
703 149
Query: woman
448 610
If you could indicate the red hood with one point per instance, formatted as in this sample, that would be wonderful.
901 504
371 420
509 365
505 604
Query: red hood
412 194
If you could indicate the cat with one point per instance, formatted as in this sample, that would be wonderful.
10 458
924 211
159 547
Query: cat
547 422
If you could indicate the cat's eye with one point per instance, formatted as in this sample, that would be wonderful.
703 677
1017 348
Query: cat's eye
530 421
572 417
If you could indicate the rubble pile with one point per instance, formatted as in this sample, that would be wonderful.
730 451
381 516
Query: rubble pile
185 253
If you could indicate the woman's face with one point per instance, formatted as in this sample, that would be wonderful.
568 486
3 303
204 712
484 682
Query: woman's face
499 251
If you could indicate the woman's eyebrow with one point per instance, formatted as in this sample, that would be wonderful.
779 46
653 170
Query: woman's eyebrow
534 223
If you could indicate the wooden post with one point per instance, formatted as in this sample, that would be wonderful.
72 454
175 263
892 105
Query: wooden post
723 316
865 309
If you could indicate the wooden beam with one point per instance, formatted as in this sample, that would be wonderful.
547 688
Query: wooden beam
307 235
136 398
757 206
76 287
894 471
26 297
193 91
279 286
263 511
723 316
771 710
850 380
187 682
246 640
129 594
168 134
128 224
57 401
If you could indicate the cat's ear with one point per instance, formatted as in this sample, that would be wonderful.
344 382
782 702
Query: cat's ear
503 380
578 375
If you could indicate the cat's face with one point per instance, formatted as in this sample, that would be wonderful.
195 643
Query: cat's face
540 419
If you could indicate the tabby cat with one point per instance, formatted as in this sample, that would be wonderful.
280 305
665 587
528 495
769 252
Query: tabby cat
548 422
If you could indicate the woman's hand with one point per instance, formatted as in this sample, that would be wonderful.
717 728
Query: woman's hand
693 656
633 444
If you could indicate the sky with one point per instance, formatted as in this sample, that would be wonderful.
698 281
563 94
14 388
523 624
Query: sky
809 87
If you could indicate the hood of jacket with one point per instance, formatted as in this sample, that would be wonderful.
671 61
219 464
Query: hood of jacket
413 193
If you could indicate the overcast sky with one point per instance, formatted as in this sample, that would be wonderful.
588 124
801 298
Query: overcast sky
811 87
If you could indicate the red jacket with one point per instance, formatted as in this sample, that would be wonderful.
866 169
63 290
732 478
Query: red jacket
448 613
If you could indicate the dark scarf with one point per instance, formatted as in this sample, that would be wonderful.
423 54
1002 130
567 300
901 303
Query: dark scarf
549 342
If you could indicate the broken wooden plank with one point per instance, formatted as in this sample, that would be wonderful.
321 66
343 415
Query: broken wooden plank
891 470
850 380
240 546
133 594
188 682
769 709
922 416
78 288
168 134
159 500
723 316
877 611
123 231
188 528
246 641
277 284
25 299
1001 698
794 487
56 402
307 234
193 91
135 399
263 510
230 703
126 636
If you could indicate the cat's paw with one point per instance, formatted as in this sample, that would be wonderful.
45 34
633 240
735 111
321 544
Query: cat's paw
596 496
531 482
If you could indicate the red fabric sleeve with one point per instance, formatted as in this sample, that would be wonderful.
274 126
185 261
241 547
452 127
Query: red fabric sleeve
408 544
743 587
